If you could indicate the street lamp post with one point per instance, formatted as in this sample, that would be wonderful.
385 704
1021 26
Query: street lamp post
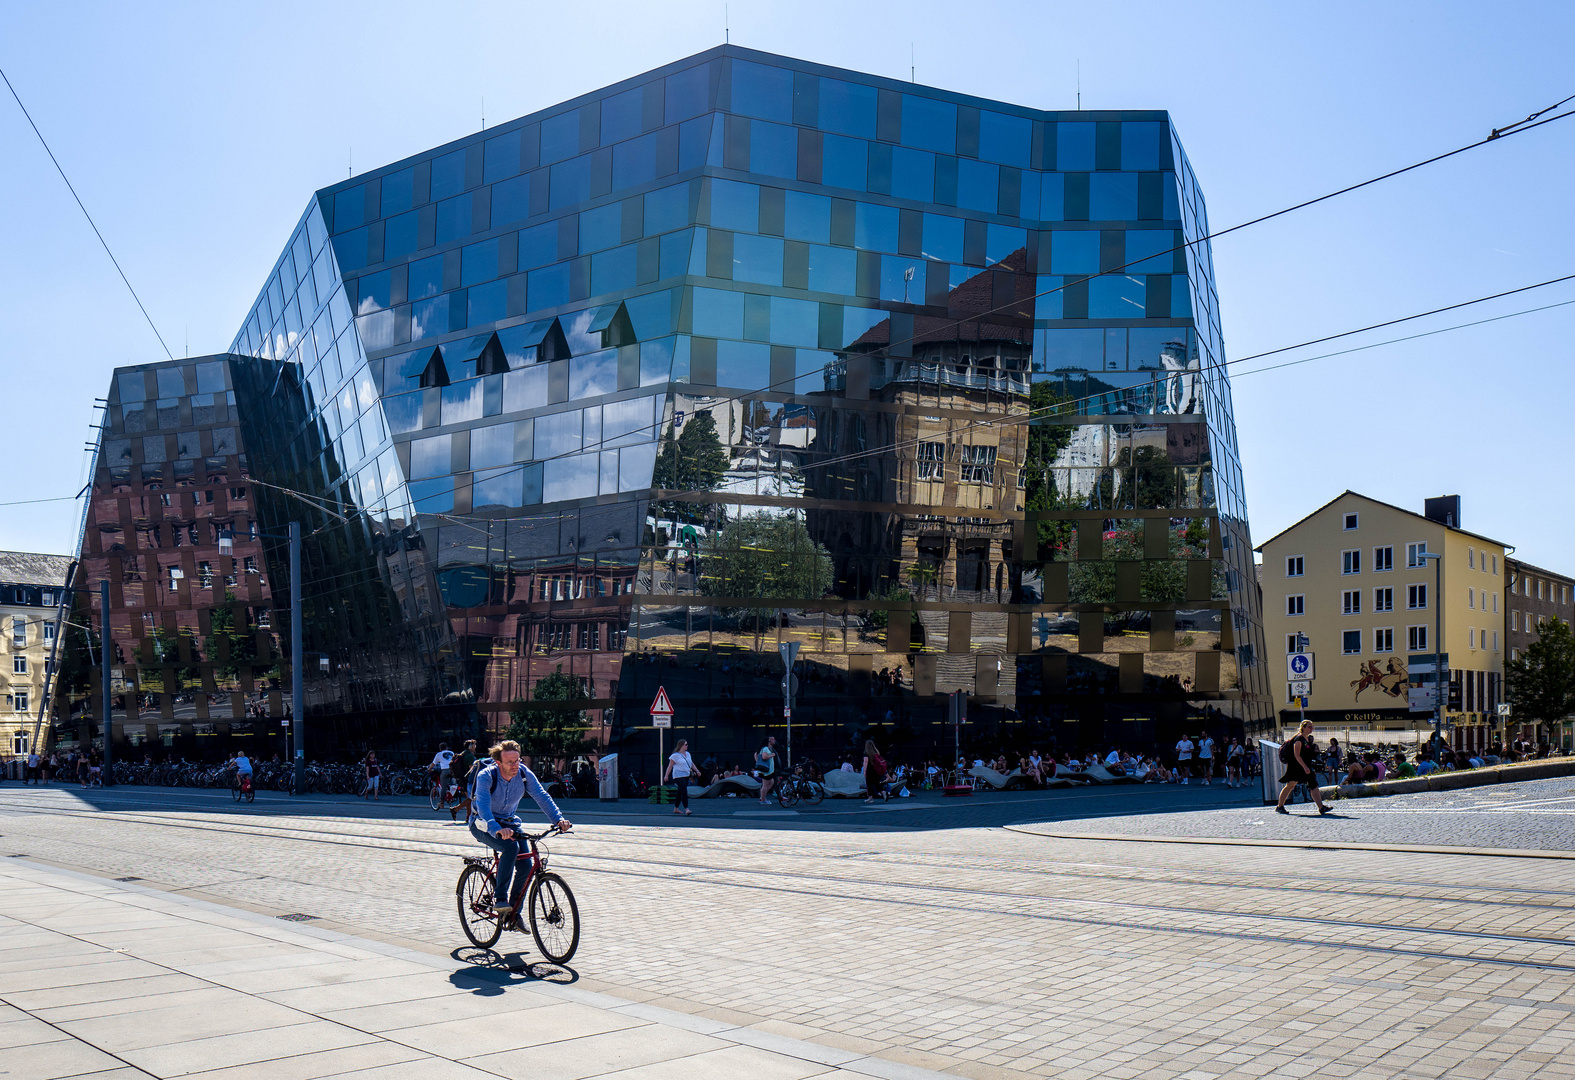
52 673
1438 645
297 712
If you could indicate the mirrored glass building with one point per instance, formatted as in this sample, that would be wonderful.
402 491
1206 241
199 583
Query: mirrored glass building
744 351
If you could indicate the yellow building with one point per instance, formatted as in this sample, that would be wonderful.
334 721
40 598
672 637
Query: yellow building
1353 578
31 594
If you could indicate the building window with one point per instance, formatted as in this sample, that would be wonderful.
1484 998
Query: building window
1471 558
1295 566
1414 553
932 461
1539 590
1351 562
1290 642
1383 559
1495 603
19 743
18 632
1514 620
175 576
19 700
978 465
1383 599
19 665
1471 599
1495 641
1495 565
49 631
1295 605
1471 637
1350 522
48 598
1416 639
1351 641
1416 597
1351 602
1384 639
205 575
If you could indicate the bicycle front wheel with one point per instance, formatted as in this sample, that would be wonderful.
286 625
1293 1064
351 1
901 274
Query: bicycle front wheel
554 918
235 792
473 895
435 797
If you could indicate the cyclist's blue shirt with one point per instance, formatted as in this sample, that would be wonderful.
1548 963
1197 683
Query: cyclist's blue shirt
242 765
495 806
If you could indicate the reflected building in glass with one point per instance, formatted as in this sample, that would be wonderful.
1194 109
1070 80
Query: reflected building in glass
743 351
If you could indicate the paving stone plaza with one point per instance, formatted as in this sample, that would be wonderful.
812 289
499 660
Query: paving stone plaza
1061 934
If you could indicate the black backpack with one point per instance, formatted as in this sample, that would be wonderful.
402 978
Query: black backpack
1288 751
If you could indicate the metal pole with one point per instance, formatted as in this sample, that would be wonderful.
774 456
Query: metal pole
1438 652
297 710
109 724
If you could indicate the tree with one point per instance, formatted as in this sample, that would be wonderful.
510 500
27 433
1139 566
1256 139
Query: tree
548 733
762 556
1540 685
693 460
1046 440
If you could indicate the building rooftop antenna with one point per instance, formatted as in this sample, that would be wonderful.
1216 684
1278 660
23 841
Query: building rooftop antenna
727 27
912 65
1080 86
483 112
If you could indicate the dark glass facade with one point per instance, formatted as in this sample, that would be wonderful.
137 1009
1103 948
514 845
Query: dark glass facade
744 351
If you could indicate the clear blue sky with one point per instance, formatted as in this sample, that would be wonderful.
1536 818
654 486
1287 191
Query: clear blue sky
196 133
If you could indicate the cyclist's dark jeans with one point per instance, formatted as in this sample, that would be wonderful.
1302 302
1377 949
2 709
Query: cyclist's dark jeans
508 851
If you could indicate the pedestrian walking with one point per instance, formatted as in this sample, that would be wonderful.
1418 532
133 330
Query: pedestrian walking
1184 750
874 773
680 766
1299 756
374 774
1206 757
1336 759
34 768
464 762
1234 753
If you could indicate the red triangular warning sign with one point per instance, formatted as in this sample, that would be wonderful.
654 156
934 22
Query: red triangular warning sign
661 706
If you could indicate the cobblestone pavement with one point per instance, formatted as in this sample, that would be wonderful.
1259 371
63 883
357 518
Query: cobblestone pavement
977 951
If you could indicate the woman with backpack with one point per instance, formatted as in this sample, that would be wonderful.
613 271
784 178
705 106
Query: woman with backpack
874 773
1299 756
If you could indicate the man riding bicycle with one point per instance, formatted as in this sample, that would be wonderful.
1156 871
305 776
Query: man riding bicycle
499 788
442 769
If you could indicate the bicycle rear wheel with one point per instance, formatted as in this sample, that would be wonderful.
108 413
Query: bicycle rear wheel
813 793
554 918
473 895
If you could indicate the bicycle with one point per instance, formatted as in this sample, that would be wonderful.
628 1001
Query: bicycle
554 916
439 798
794 788
241 787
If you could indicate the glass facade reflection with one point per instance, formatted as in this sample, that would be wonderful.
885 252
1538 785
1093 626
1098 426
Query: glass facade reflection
748 350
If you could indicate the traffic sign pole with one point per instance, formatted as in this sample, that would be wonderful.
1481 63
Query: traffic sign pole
661 719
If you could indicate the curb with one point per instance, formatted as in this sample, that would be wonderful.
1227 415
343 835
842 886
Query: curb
1451 781
1316 845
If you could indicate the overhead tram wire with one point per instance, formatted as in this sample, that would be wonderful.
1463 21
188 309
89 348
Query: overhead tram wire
44 142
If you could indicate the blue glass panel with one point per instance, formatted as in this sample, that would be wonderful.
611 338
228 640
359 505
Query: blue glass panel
573 477
399 236
1140 143
478 262
1052 197
694 138
912 174
492 447
497 487
697 252
398 189
718 314
461 402
538 246
430 456
757 259
773 149
1115 296
875 227
687 93
978 185
902 279
1074 252
426 278
845 163
375 290
857 320
600 228
651 314
613 271
433 496
560 137
943 238
634 162
1006 139
500 157
809 370
489 302
548 287
349 208
453 219
847 108
621 115
635 466
1048 303
929 124
794 322
1172 211
1073 350
1180 297
448 175
744 365
833 270
1148 251
1001 240
525 388
1112 196
378 330
675 253
656 361
763 92
511 200
571 182
350 250
403 412
1074 147
428 318
558 434
627 422
593 374
666 209
735 206
808 217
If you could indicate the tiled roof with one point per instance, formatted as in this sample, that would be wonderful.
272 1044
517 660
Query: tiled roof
31 568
